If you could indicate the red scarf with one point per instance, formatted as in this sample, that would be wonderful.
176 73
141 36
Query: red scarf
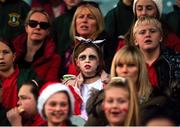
9 90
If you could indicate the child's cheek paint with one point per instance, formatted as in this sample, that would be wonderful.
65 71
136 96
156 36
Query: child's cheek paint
125 109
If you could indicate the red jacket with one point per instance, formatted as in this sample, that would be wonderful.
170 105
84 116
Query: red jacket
173 41
36 121
10 90
12 83
46 66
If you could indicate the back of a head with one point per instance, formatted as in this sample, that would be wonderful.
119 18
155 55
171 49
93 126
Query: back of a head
162 117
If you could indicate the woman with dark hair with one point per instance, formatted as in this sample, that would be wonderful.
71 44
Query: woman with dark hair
26 113
11 77
56 104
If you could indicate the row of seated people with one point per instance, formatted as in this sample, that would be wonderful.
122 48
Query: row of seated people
119 105
117 21
36 50
129 62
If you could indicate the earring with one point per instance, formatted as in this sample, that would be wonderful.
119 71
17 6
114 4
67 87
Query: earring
136 44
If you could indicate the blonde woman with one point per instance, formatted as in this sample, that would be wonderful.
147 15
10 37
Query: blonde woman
129 62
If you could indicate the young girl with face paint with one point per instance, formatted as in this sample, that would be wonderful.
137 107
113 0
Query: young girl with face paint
121 105
56 104
87 58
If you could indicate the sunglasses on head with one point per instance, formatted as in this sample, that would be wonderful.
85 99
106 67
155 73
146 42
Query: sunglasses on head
42 25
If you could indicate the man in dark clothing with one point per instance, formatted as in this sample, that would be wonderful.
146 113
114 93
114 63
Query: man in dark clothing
60 31
173 18
61 27
12 16
119 19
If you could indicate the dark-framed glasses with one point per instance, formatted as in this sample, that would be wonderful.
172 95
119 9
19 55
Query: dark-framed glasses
42 25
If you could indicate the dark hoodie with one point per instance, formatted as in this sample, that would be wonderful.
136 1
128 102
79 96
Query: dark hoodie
12 17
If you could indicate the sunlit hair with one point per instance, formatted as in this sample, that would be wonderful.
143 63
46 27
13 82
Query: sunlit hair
83 46
146 20
133 117
37 10
96 12
132 55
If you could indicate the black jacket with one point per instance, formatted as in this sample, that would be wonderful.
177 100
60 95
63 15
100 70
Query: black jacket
168 68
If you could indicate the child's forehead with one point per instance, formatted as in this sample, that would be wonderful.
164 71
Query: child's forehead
147 23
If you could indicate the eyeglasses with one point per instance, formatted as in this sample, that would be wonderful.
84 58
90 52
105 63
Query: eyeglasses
42 25
90 57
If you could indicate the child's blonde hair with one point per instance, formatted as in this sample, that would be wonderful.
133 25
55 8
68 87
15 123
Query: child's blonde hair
146 20
133 117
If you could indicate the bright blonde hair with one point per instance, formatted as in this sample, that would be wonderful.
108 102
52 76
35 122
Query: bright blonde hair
96 12
132 55
146 20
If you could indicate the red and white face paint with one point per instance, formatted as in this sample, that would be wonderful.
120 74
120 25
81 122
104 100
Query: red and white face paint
56 109
116 105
